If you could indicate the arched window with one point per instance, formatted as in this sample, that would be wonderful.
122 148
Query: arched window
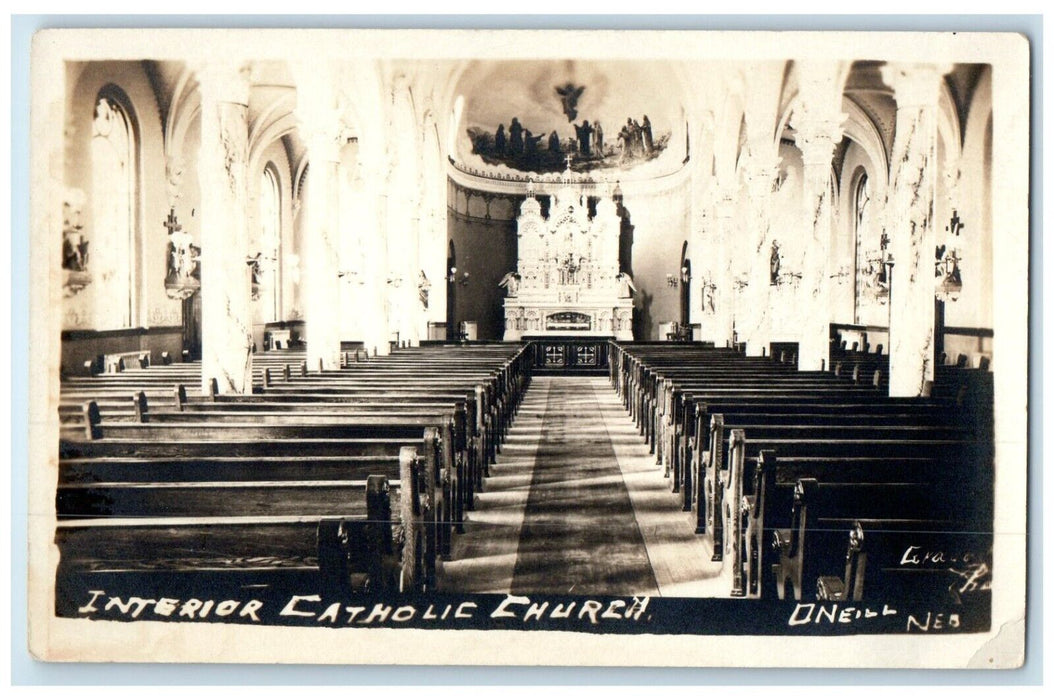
868 263
863 206
114 195
270 241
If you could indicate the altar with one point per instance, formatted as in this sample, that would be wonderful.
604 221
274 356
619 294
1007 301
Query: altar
567 281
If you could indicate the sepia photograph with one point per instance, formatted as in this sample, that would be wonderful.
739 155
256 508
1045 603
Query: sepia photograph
595 348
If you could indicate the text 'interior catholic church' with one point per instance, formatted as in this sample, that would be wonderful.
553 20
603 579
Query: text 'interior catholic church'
665 329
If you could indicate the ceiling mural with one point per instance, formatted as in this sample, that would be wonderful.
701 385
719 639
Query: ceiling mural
548 116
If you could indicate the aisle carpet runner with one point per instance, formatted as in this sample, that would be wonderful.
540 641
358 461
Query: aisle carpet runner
579 533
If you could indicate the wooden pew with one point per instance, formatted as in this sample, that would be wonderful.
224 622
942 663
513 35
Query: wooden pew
902 559
455 480
311 438
824 427
753 496
256 531
378 436
916 549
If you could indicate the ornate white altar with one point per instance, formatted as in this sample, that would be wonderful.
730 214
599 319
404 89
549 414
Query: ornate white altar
567 281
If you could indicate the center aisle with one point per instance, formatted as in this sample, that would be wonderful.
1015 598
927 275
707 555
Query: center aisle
579 533
575 505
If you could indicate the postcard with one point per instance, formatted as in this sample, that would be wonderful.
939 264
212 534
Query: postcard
607 348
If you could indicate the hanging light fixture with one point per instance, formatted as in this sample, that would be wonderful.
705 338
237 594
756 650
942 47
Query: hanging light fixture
947 271
949 277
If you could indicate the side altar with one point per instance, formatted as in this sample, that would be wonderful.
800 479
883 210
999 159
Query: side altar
567 281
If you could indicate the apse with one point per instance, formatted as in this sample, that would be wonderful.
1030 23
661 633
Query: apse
607 118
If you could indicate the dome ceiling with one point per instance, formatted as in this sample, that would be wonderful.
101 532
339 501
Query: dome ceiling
602 116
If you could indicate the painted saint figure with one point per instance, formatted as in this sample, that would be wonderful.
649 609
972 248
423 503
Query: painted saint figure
585 132
530 142
638 137
515 137
624 144
499 140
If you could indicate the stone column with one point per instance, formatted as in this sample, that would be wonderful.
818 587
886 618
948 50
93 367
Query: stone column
703 263
321 126
760 175
376 328
403 214
724 296
226 313
910 212
818 126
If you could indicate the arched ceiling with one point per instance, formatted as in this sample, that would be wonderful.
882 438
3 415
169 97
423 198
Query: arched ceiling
492 93
272 101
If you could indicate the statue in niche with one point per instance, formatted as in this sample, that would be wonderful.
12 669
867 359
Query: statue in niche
708 296
183 274
256 275
74 245
774 264
423 285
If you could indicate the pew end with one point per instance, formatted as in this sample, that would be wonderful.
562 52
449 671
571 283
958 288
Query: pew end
140 407
850 586
411 518
91 418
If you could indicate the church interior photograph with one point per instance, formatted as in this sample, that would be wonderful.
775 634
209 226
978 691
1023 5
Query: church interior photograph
560 337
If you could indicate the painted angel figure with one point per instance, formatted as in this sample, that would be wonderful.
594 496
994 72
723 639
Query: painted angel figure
569 95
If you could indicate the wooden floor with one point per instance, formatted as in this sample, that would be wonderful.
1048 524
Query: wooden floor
575 504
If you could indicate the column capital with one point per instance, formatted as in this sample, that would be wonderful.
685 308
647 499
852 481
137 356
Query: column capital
324 136
759 172
725 203
817 133
319 113
915 85
225 81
